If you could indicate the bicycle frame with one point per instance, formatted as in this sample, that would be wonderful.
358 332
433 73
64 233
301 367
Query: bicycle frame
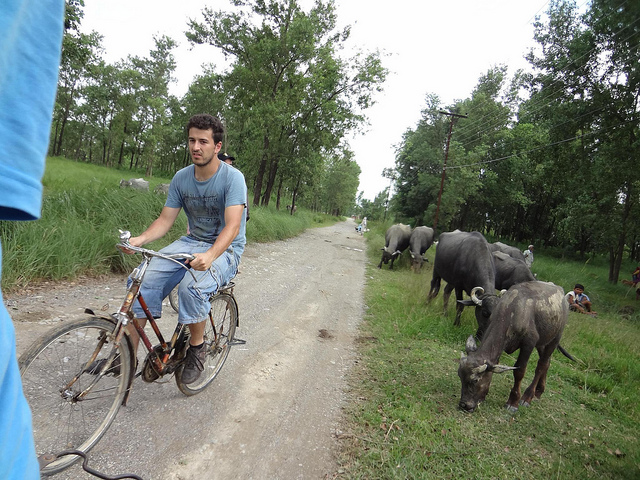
75 351
124 315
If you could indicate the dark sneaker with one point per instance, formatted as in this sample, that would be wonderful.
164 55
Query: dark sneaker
194 363
96 367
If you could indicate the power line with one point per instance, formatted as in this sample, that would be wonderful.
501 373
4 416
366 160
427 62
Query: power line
559 142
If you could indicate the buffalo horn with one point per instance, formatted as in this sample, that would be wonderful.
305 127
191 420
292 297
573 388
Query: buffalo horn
474 296
502 368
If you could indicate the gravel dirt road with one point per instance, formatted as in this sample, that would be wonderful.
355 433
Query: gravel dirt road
274 412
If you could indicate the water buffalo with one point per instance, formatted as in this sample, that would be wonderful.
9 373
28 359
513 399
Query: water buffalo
136 184
510 271
513 252
530 315
464 261
396 241
419 242
162 188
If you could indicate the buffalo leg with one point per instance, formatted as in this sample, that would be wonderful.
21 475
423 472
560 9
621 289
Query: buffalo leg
540 378
518 375
445 298
459 306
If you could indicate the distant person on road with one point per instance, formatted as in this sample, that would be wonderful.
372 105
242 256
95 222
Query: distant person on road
30 45
362 227
578 301
528 256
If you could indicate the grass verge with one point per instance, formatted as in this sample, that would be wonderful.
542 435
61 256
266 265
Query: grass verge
403 421
83 208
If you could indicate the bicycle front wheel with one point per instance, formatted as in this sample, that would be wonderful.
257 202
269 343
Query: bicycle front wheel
62 419
218 336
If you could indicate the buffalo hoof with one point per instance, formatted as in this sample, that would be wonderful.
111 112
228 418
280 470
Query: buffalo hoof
525 404
511 408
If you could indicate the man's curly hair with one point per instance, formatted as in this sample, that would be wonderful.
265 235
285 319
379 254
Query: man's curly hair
204 121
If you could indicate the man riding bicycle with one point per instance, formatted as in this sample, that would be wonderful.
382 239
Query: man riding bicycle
213 197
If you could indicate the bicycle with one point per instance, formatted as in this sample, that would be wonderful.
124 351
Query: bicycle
77 376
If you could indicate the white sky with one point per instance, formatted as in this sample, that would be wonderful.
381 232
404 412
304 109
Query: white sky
439 47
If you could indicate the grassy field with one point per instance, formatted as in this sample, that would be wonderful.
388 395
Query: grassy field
403 420
83 208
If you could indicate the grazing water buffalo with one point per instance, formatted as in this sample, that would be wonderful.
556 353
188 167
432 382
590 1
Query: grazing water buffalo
513 252
530 315
419 242
135 183
464 261
396 241
510 271
162 188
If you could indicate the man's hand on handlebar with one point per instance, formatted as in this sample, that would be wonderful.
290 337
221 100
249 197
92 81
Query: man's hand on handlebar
202 261
134 241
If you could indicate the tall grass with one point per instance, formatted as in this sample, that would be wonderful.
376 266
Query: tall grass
403 421
83 208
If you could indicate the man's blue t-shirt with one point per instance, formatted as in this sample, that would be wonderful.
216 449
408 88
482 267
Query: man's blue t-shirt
204 202
30 41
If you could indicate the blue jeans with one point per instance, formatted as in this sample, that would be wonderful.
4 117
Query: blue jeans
163 275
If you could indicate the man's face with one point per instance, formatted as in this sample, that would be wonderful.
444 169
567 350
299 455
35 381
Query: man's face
202 147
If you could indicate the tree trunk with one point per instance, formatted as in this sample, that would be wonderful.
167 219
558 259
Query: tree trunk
278 197
52 148
293 197
615 258
67 108
271 181
261 169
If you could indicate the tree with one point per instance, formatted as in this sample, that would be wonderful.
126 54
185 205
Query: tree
80 52
288 92
591 61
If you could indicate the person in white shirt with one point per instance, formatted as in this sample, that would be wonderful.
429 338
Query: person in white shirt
578 301
528 256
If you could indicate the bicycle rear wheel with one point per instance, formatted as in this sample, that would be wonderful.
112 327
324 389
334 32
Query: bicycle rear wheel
173 299
218 335
61 420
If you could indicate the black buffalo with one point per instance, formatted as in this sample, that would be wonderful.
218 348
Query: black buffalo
419 242
464 261
513 252
530 315
396 241
510 271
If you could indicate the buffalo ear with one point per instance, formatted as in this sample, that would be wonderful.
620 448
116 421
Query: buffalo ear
471 345
502 368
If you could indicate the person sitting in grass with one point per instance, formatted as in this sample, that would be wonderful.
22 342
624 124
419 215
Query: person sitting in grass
578 301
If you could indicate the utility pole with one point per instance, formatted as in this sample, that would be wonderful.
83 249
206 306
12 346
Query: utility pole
444 167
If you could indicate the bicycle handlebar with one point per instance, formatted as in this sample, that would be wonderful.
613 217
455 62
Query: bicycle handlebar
125 245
